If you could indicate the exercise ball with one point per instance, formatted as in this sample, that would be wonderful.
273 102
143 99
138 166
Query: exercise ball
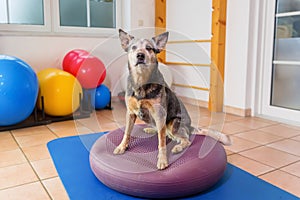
164 69
88 69
18 90
60 90
102 97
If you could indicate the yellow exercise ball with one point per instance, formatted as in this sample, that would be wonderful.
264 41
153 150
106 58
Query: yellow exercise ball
60 90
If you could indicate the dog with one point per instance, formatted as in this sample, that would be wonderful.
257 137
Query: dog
149 98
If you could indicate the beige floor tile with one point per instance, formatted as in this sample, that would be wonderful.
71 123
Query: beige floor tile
289 146
69 128
106 114
233 128
252 123
83 130
38 152
44 168
31 191
259 137
13 157
30 131
201 122
4 134
228 152
296 138
93 124
239 144
249 165
218 119
34 140
230 118
73 131
109 127
266 120
293 127
55 189
281 130
69 124
117 115
16 175
293 169
7 142
271 157
283 180
217 127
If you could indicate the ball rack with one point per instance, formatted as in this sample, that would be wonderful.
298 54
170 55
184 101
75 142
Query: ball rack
39 117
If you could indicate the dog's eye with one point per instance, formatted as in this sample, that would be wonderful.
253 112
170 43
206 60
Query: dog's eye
134 47
148 48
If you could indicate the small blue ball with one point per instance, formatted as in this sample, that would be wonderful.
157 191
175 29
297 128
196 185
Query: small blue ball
102 97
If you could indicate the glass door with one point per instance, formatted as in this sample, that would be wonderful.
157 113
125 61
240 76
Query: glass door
286 58
281 93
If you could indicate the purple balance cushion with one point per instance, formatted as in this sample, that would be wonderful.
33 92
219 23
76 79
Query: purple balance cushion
135 173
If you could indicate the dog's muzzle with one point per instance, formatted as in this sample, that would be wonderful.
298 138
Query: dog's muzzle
140 58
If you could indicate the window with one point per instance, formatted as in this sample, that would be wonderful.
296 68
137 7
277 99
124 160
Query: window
22 12
60 16
24 15
89 13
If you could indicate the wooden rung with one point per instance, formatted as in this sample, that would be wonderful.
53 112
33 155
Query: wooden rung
190 86
188 41
187 64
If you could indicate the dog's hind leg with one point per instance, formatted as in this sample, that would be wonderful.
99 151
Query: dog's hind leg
178 133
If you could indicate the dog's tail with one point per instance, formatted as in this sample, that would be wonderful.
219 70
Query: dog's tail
221 137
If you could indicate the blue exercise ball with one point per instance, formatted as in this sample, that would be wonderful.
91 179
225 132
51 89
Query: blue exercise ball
18 90
102 97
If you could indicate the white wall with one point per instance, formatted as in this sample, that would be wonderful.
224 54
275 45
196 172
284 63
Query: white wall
236 61
42 52
138 14
47 51
242 45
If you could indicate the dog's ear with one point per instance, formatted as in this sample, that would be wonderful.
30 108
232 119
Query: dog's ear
125 39
161 41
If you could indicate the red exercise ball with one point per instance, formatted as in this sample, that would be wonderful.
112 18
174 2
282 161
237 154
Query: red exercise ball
88 69
73 56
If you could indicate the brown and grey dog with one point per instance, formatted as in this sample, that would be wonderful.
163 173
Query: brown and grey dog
149 98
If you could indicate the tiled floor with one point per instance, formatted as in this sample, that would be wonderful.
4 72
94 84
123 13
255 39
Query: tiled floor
267 149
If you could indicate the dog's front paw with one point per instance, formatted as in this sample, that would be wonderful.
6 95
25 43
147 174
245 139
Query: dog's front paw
120 149
162 159
162 163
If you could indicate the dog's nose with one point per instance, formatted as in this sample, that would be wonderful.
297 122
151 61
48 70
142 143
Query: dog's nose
140 56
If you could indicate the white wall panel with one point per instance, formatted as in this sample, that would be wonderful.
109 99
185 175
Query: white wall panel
190 20
193 53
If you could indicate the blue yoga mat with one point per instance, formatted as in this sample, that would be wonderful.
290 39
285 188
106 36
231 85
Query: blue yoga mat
71 158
